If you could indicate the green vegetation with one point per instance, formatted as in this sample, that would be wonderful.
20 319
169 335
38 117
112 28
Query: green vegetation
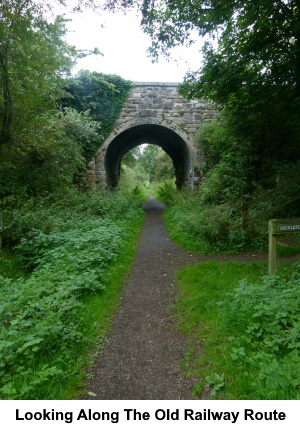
243 328
209 219
74 253
50 124
146 165
254 77
66 250
199 227
250 64
102 97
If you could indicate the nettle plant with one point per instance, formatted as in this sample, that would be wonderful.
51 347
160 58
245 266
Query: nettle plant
265 321
40 313
44 330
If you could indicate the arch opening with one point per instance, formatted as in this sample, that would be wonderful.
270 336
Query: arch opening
155 134
145 165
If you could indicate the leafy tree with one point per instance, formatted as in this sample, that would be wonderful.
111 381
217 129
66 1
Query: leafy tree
163 167
131 158
33 60
268 32
151 164
40 146
253 71
254 75
150 153
48 157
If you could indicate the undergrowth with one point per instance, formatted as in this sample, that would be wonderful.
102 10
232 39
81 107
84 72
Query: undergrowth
244 330
207 227
74 253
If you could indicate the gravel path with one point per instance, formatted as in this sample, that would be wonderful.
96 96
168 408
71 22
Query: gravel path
143 352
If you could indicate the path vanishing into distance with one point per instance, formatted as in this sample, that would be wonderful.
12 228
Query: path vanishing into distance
141 356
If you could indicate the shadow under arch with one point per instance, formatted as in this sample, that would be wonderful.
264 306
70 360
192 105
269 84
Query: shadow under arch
170 141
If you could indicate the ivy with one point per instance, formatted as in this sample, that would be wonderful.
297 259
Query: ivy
100 94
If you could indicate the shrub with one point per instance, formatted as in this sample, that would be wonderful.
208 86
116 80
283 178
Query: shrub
263 320
68 251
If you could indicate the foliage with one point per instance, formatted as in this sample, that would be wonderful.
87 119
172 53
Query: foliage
163 168
33 60
151 164
133 171
61 211
234 170
146 166
265 318
250 67
243 329
67 252
148 159
264 36
40 146
254 75
48 156
131 157
202 227
209 218
102 96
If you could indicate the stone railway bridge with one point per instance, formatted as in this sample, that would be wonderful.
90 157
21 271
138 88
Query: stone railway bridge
155 113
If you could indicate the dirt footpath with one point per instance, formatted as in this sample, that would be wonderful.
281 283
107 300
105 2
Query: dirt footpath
142 355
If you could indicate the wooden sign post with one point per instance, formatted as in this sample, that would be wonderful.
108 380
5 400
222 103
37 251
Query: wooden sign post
277 227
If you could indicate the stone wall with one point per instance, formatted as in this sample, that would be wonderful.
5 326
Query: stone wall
162 100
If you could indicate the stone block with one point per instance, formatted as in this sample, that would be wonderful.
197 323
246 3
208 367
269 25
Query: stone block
146 112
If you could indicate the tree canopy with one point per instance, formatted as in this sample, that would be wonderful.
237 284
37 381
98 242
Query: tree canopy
263 36
40 142
250 64
33 60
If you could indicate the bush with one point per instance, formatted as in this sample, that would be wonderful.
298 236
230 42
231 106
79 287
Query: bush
204 227
166 192
67 250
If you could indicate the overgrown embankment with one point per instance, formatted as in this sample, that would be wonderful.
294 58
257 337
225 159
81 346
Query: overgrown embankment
199 224
71 255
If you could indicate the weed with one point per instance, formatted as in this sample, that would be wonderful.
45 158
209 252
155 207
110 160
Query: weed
54 314
247 325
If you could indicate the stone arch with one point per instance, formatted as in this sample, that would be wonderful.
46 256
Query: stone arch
155 113
168 136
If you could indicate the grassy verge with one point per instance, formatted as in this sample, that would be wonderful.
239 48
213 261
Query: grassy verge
74 255
243 328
